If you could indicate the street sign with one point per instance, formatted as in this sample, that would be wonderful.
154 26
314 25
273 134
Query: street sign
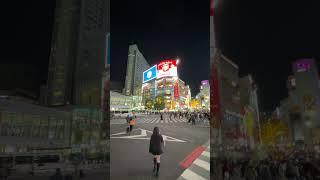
143 135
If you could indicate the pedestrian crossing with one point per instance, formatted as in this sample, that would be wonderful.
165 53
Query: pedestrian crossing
200 168
157 120
147 120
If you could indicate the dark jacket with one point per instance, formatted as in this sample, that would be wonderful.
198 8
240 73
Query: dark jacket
156 144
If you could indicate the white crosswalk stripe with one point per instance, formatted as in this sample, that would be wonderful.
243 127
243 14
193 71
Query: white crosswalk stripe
156 120
200 168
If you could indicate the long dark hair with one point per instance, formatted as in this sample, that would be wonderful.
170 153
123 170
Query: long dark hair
156 131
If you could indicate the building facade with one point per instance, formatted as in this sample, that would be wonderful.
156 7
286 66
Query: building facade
304 94
25 127
136 65
204 95
120 102
78 52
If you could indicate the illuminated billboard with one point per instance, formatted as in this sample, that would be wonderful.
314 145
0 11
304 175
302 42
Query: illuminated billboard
167 68
205 82
302 65
150 74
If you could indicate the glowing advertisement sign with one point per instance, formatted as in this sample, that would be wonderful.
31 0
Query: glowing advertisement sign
204 82
167 68
176 90
150 74
302 65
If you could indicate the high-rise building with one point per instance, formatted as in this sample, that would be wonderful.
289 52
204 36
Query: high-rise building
304 91
204 94
136 65
250 110
78 52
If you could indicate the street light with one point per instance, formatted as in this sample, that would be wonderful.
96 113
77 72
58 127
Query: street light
178 61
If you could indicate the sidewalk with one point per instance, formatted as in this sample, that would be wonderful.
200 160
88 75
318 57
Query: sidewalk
200 168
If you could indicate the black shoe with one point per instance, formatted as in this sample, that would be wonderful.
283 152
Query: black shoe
157 174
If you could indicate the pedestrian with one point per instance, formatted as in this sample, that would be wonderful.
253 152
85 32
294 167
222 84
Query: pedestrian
236 173
57 175
132 122
291 171
161 117
250 172
81 174
193 119
156 149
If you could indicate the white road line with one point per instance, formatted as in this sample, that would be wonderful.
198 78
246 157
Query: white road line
166 120
206 153
205 165
154 120
174 120
188 174
158 120
161 121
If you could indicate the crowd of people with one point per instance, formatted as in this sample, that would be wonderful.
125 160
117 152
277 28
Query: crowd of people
296 167
193 117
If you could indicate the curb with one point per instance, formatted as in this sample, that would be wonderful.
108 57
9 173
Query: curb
200 167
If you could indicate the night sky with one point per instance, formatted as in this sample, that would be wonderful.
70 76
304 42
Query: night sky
261 37
25 37
162 29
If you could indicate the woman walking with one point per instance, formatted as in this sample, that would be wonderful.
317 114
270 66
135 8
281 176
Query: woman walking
156 149
132 122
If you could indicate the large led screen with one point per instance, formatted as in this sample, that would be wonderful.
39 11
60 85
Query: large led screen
150 74
167 68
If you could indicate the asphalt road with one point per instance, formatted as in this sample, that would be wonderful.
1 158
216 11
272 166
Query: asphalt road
130 158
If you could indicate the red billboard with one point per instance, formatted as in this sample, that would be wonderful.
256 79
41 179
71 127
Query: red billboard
176 90
167 68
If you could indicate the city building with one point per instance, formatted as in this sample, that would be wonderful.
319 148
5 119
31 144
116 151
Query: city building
162 80
136 65
27 128
120 102
19 95
78 52
250 110
304 94
225 94
204 95
88 133
116 86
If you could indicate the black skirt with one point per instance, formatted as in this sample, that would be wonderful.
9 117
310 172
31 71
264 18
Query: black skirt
156 144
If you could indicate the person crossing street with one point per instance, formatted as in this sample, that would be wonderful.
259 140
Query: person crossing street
132 122
156 149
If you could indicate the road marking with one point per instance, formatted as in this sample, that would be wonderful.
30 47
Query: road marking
188 174
120 133
166 120
191 157
143 135
206 153
205 165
